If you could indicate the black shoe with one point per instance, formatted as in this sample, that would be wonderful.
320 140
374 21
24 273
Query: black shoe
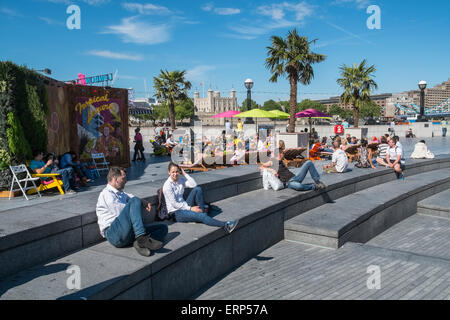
149 243
141 250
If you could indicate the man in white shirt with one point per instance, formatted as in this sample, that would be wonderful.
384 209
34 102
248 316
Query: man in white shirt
394 158
339 160
120 217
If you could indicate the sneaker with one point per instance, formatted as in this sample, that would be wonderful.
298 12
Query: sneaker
401 177
70 192
149 243
141 250
320 185
231 225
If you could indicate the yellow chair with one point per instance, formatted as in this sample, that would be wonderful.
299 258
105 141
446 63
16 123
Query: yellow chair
45 185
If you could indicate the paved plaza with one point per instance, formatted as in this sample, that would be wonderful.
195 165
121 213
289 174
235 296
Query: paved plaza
413 258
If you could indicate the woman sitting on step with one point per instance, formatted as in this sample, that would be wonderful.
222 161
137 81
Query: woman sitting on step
277 176
193 209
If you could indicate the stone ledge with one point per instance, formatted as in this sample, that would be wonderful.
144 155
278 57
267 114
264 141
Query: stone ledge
358 211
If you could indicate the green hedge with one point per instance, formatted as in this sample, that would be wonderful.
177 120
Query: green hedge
23 114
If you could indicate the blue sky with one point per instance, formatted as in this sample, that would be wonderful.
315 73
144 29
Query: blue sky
222 43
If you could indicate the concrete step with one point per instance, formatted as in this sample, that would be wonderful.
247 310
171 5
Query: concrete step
36 234
437 205
177 270
361 216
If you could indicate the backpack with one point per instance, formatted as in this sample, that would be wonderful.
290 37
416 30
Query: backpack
161 208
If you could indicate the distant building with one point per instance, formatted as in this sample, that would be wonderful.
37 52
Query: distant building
403 99
379 99
433 96
213 104
438 94
142 106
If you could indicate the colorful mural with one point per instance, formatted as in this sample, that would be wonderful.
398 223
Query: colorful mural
99 126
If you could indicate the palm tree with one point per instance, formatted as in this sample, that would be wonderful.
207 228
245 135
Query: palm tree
358 85
292 57
171 87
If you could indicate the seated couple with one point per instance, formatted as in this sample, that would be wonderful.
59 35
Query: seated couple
120 215
280 177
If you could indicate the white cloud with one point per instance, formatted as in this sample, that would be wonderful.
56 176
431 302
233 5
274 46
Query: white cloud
227 11
9 12
361 4
146 9
51 21
89 2
199 73
115 55
278 10
133 31
209 7
282 15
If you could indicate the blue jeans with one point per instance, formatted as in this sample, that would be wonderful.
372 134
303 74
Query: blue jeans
296 182
129 225
196 198
444 132
66 177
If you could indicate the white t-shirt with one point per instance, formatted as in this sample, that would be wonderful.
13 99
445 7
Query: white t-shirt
227 126
340 159
394 152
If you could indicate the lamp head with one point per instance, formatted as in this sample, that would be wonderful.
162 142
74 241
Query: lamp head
248 83
422 85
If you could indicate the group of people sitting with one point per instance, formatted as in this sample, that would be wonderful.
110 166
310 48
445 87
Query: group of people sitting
72 172
120 214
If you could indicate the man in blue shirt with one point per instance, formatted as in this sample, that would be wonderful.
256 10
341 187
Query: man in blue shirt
41 167
69 160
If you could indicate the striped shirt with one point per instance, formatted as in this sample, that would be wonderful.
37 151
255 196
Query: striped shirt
383 147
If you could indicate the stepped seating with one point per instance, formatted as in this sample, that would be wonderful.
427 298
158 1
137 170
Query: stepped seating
363 215
178 269
437 205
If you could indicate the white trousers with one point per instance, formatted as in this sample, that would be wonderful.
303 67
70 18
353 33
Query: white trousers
270 181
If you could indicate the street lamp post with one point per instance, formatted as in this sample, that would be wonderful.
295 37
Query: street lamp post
422 86
249 85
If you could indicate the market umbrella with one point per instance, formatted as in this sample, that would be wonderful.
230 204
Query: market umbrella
256 113
312 114
227 114
280 114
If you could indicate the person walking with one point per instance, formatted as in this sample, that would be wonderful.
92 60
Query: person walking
444 127
139 146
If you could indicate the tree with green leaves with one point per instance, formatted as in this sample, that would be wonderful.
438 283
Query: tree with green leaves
271 105
292 58
253 105
171 87
184 109
358 84
369 109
